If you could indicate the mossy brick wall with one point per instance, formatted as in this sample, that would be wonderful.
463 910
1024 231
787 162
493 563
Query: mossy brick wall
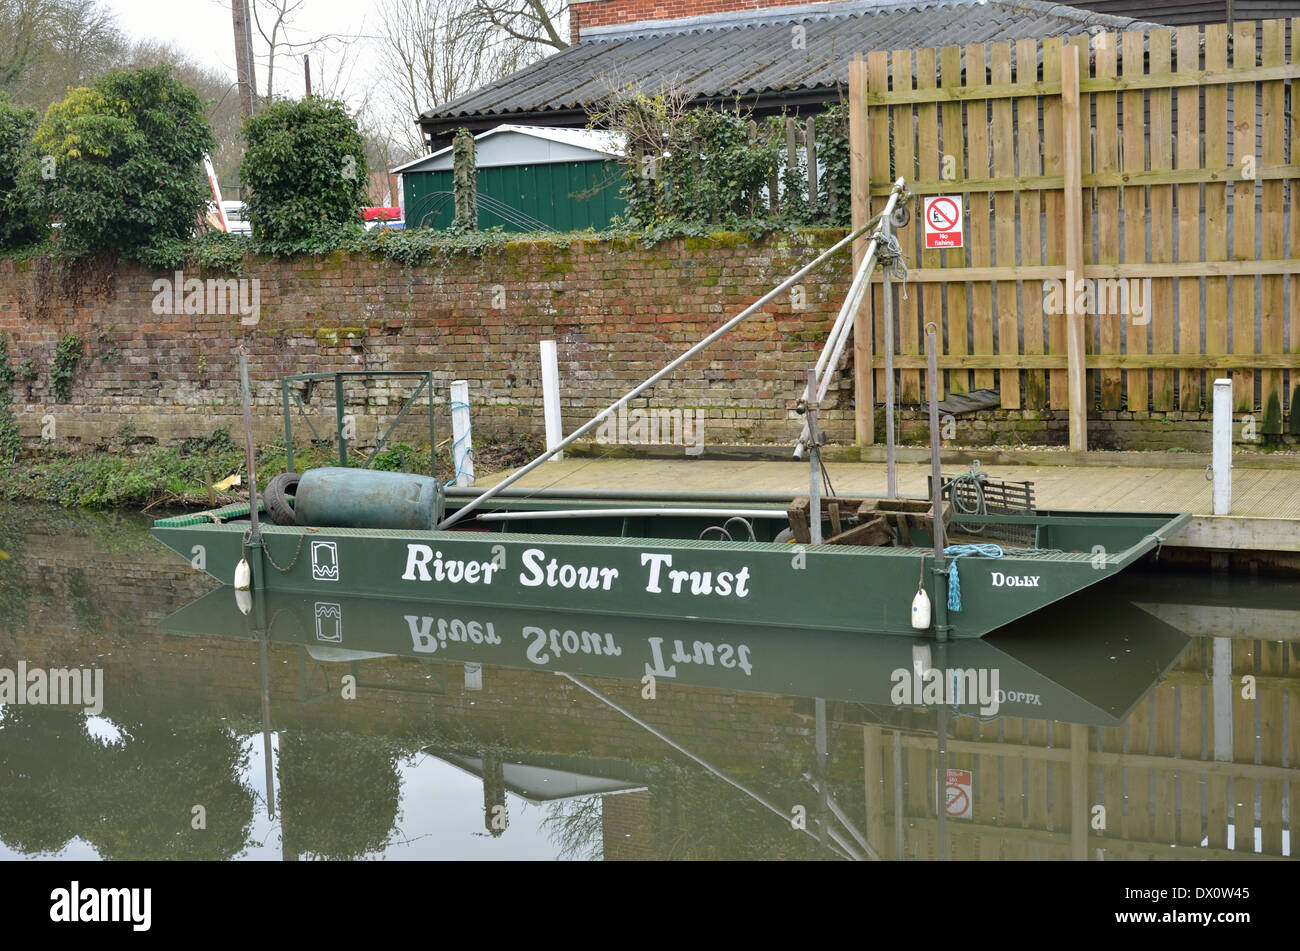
618 311
1107 429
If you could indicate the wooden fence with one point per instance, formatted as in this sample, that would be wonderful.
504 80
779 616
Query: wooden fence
1158 159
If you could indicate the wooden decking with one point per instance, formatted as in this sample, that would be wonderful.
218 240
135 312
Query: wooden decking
1265 509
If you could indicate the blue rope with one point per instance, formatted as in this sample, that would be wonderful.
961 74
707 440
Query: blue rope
961 551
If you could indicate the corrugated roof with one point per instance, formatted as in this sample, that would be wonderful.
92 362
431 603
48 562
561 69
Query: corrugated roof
596 141
722 56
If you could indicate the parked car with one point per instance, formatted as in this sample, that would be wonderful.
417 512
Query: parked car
379 216
236 217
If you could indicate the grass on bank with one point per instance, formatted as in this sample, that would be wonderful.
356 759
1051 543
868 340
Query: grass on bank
124 473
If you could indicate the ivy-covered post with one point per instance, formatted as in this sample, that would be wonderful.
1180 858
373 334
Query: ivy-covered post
773 176
789 201
465 180
810 145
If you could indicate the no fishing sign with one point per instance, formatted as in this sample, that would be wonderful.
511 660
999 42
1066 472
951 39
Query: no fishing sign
943 222
957 794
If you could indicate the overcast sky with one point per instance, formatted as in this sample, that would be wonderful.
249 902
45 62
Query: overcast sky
203 28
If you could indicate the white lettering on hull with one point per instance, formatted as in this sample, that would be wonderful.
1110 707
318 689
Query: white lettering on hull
1014 581
425 564
538 570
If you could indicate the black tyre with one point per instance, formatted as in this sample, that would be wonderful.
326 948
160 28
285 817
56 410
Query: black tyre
277 495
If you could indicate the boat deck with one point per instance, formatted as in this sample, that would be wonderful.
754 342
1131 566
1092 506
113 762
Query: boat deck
1265 502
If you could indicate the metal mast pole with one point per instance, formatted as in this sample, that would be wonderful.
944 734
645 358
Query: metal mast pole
651 381
887 298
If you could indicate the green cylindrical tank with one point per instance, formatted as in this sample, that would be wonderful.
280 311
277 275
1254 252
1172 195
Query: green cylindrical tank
335 497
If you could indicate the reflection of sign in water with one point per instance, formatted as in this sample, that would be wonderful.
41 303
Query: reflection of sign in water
324 561
329 622
958 801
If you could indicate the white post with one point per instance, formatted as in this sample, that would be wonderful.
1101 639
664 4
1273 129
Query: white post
1221 693
462 433
1222 459
473 676
551 397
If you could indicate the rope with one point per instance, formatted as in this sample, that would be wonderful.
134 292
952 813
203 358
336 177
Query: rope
956 552
976 478
986 551
889 255
469 453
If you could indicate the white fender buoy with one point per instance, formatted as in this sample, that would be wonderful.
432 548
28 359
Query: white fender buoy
921 610
243 577
243 600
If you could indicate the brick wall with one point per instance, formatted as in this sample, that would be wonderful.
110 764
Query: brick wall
596 13
618 311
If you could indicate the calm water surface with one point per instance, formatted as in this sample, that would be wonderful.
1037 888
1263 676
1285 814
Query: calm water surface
1153 716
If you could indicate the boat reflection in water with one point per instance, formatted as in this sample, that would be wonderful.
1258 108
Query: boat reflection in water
1044 740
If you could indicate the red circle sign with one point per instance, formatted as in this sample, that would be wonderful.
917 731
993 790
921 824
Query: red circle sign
944 214
957 801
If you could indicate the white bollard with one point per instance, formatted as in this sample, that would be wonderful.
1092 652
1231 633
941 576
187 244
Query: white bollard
1221 694
462 433
1221 463
473 676
551 396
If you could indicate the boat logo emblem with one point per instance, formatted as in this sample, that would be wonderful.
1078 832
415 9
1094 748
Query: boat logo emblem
329 622
324 561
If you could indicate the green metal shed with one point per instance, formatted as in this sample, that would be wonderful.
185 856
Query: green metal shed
530 178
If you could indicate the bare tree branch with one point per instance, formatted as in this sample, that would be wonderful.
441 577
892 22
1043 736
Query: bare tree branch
433 51
531 21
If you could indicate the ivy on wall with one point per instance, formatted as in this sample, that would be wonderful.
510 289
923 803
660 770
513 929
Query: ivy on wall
66 357
10 443
722 168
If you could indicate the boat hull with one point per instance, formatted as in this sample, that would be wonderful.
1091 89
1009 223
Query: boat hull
830 587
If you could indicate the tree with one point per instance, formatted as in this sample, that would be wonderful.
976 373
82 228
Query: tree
434 51
531 21
127 153
305 168
275 22
220 101
21 221
49 46
21 30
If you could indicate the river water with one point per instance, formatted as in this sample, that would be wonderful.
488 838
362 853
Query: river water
1155 715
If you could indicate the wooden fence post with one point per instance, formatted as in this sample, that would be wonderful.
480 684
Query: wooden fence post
864 392
1073 246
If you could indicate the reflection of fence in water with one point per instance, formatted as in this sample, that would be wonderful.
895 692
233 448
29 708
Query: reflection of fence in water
1157 777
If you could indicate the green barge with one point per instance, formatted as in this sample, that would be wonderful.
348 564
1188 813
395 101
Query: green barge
644 559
